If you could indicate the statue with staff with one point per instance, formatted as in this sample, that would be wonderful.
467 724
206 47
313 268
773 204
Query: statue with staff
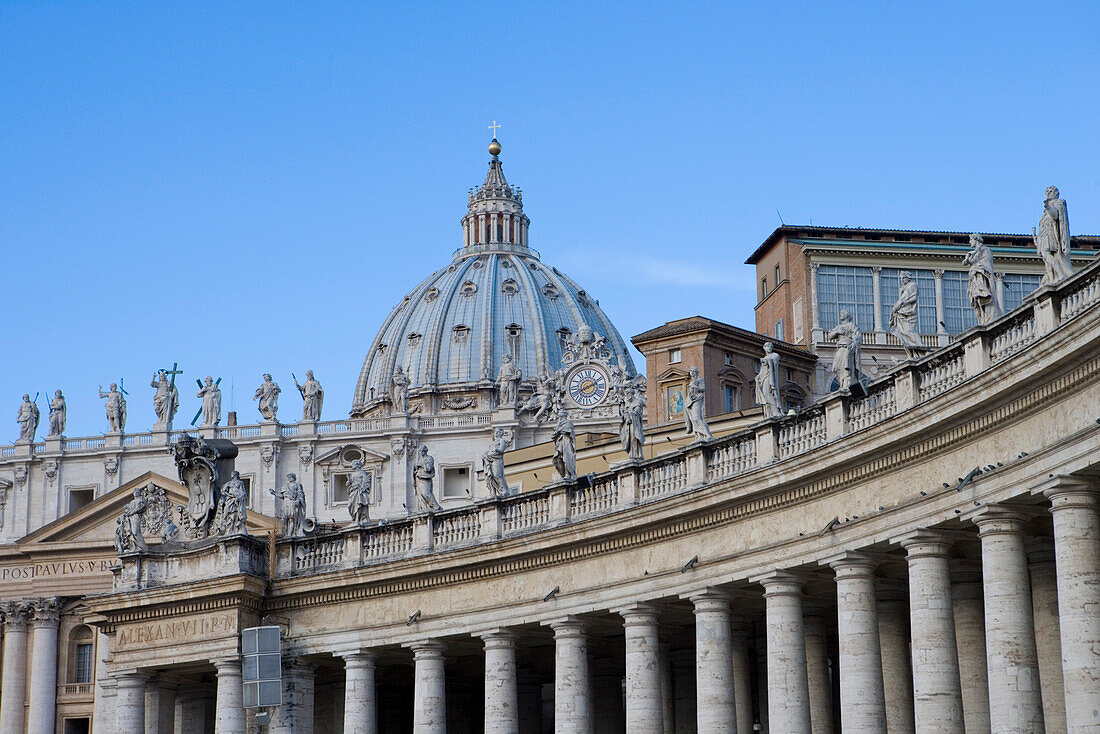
166 399
211 394
312 396
115 407
27 418
58 414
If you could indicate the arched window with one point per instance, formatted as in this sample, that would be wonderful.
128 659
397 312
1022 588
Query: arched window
509 287
81 655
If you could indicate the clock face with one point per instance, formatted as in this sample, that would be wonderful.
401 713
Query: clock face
588 387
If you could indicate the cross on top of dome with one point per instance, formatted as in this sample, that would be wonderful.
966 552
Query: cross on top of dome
495 218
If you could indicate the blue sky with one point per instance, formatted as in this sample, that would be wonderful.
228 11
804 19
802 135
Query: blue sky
251 187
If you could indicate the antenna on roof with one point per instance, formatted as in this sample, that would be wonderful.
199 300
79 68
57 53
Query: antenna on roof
780 217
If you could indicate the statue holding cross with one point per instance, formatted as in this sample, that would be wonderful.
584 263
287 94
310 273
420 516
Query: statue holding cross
166 400
211 396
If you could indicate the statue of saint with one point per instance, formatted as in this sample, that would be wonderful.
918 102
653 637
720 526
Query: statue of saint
848 357
631 416
767 383
234 507
508 383
4 486
166 400
128 535
694 421
399 391
565 448
291 509
211 402
1052 238
546 397
492 463
27 418
981 288
268 395
312 397
903 316
359 493
58 414
116 408
423 474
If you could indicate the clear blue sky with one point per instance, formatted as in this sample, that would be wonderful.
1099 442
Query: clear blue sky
250 187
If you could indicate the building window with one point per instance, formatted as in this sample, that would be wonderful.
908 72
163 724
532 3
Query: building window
80 498
958 316
456 481
461 333
776 276
339 488
727 358
674 356
1016 286
85 663
763 288
926 297
779 329
514 333
730 393
844 288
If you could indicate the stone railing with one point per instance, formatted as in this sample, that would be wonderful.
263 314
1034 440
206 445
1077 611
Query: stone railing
802 433
879 403
388 540
524 513
665 477
601 496
942 371
730 458
318 552
1021 331
459 527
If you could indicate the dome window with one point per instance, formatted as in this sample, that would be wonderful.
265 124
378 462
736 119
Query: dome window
431 294
563 335
469 288
510 287
514 333
414 339
461 333
478 263
505 262
550 291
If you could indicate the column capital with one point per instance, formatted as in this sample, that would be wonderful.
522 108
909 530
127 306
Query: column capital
16 614
1066 492
359 658
130 678
779 583
498 639
426 649
46 611
570 626
227 666
852 563
709 600
638 614
926 543
999 520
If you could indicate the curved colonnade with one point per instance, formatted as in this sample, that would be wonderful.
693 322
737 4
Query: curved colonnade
923 559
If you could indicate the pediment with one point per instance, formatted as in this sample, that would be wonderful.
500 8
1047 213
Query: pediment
336 455
672 373
95 522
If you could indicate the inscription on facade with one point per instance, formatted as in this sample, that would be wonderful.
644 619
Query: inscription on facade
175 631
54 569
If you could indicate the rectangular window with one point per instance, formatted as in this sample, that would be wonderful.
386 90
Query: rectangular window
779 329
456 481
727 357
958 316
339 488
85 665
926 297
777 276
731 398
763 288
80 498
1016 287
674 356
845 288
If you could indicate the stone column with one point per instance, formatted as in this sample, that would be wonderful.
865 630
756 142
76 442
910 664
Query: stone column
937 694
42 712
715 701
876 296
862 699
817 673
229 711
14 682
643 673
360 698
430 691
742 685
940 313
507 228
897 669
1015 702
295 716
1044 608
788 689
1076 510
130 706
967 604
815 319
501 693
571 686
160 706
190 714
103 712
